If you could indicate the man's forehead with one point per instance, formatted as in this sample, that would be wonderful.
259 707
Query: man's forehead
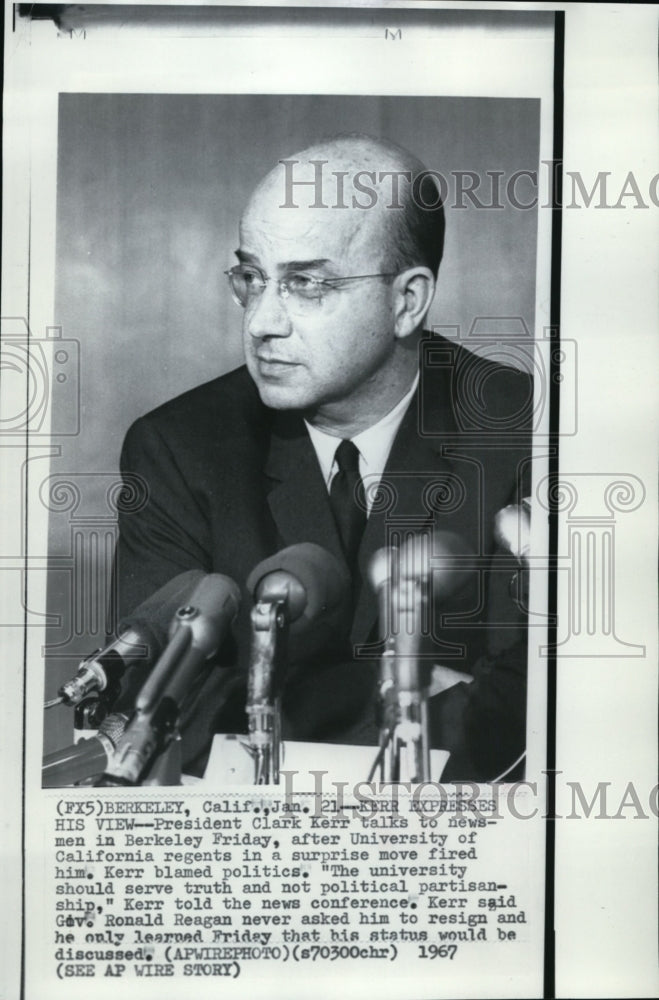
306 232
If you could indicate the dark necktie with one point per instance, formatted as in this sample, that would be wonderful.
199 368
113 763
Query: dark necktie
346 492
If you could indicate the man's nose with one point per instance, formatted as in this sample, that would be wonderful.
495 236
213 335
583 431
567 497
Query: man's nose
267 317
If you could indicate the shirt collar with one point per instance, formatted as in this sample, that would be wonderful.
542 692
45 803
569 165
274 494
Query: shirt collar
373 444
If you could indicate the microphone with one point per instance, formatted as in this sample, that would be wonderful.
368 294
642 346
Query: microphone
195 635
424 567
434 564
142 637
292 590
86 758
380 571
512 530
305 578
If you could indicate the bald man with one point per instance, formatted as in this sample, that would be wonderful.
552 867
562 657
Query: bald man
347 359
342 384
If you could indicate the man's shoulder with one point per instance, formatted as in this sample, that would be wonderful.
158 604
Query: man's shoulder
485 392
235 390
224 413
232 395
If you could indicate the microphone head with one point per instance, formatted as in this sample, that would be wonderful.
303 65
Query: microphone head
438 558
152 619
207 611
512 530
84 759
307 577
443 558
380 567
113 727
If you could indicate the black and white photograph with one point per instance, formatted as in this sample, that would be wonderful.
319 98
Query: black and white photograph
322 566
163 209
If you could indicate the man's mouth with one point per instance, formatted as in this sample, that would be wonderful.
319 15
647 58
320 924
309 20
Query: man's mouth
270 361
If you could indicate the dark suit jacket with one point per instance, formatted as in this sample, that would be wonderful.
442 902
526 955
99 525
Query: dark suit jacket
230 482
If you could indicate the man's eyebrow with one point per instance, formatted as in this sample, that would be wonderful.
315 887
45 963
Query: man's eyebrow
306 265
291 265
245 256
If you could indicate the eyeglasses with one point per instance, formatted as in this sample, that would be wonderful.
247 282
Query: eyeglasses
299 289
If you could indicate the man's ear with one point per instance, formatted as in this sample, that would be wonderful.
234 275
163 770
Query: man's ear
413 292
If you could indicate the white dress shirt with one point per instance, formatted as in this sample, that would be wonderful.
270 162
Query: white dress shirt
373 444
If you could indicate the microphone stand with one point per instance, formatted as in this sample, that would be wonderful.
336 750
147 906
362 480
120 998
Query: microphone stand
269 633
153 730
409 747
154 726
387 697
291 588
403 577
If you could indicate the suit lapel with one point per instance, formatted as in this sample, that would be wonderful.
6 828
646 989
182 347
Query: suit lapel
415 460
298 497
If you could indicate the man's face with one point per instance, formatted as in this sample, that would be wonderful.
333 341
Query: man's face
332 357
